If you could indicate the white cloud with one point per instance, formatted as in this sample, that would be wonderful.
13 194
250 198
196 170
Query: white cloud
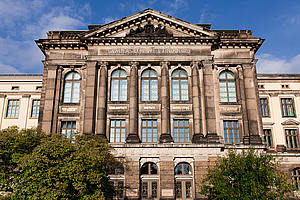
6 69
107 20
270 64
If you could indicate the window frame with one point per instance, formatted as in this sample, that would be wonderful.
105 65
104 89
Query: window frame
182 180
149 78
17 107
267 107
73 130
115 127
71 88
296 176
181 127
294 140
152 127
233 131
268 137
37 108
226 80
119 78
180 79
285 106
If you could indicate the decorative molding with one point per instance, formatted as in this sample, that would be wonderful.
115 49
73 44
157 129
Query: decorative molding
290 122
149 31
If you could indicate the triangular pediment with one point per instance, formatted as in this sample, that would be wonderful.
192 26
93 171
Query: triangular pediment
290 122
149 23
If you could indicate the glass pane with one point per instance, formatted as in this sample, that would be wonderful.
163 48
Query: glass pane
123 73
175 90
123 123
222 75
153 73
123 90
184 90
69 76
153 168
178 169
175 73
76 76
230 75
67 92
144 169
114 90
153 90
145 90
183 73
115 73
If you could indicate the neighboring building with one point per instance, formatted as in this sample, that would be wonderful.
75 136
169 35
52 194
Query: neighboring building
170 97
20 100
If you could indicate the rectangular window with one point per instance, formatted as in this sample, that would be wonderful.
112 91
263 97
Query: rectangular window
12 108
178 189
181 130
264 107
149 130
231 131
296 178
145 190
287 107
117 130
68 129
268 137
35 108
292 140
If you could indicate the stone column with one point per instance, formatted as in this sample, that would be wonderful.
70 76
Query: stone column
90 97
57 98
133 105
47 98
211 104
244 105
254 119
102 99
165 136
202 92
197 136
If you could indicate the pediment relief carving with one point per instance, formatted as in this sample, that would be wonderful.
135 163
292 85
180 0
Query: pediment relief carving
149 23
290 122
149 30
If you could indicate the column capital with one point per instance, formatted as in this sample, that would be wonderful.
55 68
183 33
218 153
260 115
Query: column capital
164 63
195 63
103 64
134 63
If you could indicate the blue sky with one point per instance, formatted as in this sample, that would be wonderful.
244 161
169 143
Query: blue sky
23 21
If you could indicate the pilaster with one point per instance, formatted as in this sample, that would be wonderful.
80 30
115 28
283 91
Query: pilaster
133 105
197 136
102 97
90 100
165 136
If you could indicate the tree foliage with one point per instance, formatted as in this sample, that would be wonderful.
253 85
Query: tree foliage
247 175
57 168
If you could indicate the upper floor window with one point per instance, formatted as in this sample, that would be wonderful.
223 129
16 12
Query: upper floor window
149 168
118 88
268 137
117 130
181 130
71 87
35 108
12 108
149 130
227 87
296 178
292 140
180 90
149 88
287 107
231 131
264 107
68 129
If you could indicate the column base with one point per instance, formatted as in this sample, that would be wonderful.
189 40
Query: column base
212 138
132 138
199 139
165 138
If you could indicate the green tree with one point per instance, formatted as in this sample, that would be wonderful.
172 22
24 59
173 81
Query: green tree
14 144
247 175
53 167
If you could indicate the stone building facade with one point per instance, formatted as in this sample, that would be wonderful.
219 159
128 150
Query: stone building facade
170 97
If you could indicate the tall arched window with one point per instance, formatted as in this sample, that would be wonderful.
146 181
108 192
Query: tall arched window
71 87
149 181
118 87
183 181
296 178
149 86
180 85
227 87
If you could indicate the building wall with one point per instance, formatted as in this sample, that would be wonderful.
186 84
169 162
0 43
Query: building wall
29 89
203 53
